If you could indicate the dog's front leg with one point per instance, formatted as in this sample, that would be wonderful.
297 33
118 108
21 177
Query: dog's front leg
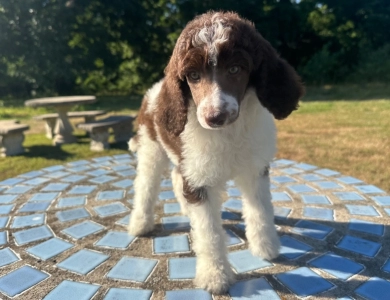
213 271
259 214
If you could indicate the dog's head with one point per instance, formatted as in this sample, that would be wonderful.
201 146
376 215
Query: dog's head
216 58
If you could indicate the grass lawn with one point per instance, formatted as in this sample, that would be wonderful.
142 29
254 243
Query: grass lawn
343 128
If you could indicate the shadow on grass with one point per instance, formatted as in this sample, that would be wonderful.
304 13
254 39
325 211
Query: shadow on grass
47 152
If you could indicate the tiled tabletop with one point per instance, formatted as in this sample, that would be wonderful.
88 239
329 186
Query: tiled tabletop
63 236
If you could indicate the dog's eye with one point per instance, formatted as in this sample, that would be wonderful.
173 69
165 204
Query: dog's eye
194 76
234 70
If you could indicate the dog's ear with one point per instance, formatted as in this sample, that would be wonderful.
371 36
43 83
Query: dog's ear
173 96
278 86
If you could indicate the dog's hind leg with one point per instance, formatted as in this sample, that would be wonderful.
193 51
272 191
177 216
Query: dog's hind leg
177 182
259 214
152 161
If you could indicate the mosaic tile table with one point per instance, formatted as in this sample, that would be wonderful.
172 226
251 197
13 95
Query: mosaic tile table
63 236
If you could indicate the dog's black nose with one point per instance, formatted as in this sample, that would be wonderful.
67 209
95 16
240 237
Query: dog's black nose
216 120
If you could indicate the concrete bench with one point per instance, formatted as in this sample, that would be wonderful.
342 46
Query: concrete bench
51 119
122 127
11 137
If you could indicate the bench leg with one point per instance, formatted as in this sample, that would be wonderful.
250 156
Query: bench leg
99 139
50 124
63 130
123 131
11 144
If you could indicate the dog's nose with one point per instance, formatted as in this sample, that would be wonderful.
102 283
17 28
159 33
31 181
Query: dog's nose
216 120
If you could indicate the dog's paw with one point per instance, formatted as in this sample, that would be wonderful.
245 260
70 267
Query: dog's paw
265 244
140 224
215 279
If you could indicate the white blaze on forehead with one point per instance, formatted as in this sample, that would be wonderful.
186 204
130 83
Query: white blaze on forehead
212 36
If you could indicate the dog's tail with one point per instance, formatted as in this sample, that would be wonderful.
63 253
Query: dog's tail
133 144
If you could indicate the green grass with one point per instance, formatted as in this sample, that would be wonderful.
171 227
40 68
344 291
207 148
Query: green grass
345 128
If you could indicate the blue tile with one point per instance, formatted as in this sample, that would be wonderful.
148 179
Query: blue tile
7 256
284 162
311 177
19 280
358 245
315 199
166 183
227 215
98 172
116 239
167 195
387 210
83 261
3 222
172 208
78 169
369 189
54 168
232 238
382 200
362 210
386 266
170 244
83 229
292 248
49 248
291 171
241 226
78 290
57 174
121 156
243 261
304 282
367 227
281 212
35 206
374 289
349 180
328 185
82 189
312 229
73 178
3 238
72 214
233 192
273 186
233 204
301 188
127 294
32 174
283 179
338 266
11 181
102 179
132 268
254 289
127 173
124 161
110 195
348 196
55 187
2 188
19 189
188 295
230 183
124 221
176 223
279 197
182 268
126 183
327 172
30 220
79 163
102 158
318 213
110 209
121 167
43 197
31 235
7 198
71 201
305 167
6 209
36 181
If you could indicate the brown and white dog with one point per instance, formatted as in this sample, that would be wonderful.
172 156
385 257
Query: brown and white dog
212 117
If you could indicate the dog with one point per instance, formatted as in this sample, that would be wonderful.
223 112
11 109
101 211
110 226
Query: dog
212 116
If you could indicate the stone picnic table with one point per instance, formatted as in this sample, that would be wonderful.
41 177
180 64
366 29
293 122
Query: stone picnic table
63 129
63 237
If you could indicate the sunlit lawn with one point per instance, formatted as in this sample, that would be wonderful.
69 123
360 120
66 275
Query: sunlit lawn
344 129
